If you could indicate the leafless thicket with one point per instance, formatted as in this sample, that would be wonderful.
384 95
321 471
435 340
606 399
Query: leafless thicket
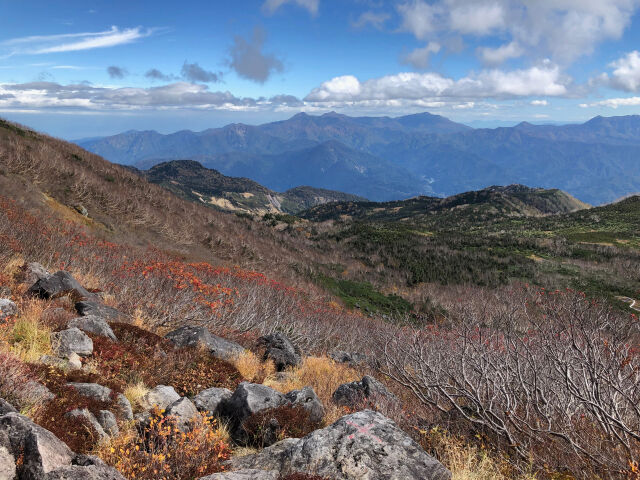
556 380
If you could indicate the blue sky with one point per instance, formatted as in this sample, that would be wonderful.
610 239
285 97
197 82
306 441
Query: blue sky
89 68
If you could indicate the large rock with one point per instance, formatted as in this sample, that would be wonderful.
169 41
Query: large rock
40 451
244 475
211 400
188 336
69 341
280 349
7 308
368 389
92 307
6 407
57 285
361 446
7 464
161 396
92 472
307 399
184 412
251 398
93 324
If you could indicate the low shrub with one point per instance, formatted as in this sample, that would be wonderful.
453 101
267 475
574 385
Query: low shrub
16 382
162 452
271 425
252 368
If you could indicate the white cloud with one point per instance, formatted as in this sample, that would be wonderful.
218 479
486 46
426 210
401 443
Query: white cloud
419 18
419 57
270 6
561 29
544 80
539 103
626 75
42 44
614 103
43 95
376 20
477 18
497 56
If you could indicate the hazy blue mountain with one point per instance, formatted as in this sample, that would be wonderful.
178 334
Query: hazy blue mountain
385 158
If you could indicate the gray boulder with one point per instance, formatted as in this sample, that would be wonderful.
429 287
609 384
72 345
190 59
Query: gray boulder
6 407
244 475
251 398
57 285
7 308
40 450
363 445
69 341
7 464
108 422
162 396
280 349
184 412
32 272
93 324
90 419
211 400
92 307
307 399
93 391
91 472
105 394
368 389
188 336
38 393
351 358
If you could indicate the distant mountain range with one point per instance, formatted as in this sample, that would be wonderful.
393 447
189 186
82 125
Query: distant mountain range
190 180
384 158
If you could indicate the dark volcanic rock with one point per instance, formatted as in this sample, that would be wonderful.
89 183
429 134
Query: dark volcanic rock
352 358
91 307
59 284
368 389
280 349
363 445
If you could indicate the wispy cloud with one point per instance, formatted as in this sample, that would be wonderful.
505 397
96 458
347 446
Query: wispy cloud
270 6
72 42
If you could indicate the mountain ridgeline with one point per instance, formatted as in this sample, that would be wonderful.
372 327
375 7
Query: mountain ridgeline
190 180
383 158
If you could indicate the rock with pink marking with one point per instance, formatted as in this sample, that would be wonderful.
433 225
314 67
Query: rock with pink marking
363 445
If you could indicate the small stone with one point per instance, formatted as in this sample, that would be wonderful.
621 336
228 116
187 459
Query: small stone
93 324
75 362
194 337
90 418
108 422
91 307
244 475
7 308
